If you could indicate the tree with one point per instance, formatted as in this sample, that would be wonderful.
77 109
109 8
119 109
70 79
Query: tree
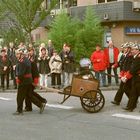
90 35
62 30
26 13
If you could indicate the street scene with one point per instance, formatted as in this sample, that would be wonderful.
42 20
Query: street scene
68 121
69 69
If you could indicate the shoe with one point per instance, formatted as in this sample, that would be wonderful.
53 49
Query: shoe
115 103
45 101
18 113
128 109
42 108
27 110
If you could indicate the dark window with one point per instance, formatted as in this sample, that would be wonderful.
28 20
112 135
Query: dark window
101 1
111 0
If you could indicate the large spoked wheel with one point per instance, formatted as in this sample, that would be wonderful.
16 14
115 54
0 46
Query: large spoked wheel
93 101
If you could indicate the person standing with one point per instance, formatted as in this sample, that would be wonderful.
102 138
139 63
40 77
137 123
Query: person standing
56 69
99 62
13 61
4 69
68 65
44 68
24 80
111 54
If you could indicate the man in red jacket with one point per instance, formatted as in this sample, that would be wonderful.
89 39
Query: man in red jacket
98 60
111 54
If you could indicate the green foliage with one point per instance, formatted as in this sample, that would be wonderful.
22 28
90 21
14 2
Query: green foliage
82 36
26 13
90 35
63 31
12 35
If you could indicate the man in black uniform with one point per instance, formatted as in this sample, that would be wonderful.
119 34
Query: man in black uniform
126 61
134 74
35 77
24 80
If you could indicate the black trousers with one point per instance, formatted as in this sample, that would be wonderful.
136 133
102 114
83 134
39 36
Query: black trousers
28 103
23 91
123 88
134 94
56 79
115 73
3 78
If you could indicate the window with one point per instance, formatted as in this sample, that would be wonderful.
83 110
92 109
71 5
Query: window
111 0
104 1
101 1
37 37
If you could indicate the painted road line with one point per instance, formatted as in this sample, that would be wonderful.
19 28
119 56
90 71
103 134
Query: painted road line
127 116
59 106
6 99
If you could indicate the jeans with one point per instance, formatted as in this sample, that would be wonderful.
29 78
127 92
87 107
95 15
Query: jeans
68 78
100 75
44 80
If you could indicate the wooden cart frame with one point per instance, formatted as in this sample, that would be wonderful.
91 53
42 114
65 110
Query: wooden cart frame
92 100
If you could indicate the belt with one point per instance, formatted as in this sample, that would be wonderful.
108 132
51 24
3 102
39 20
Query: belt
27 75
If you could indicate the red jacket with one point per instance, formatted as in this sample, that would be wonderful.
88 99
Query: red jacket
116 53
98 60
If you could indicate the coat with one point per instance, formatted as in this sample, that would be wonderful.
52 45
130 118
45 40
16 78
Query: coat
55 64
44 65
4 62
116 53
68 61
98 60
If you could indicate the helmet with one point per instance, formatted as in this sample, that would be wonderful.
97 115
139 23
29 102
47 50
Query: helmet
135 46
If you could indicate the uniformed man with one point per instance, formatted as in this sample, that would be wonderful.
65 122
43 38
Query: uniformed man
35 77
126 61
134 74
24 80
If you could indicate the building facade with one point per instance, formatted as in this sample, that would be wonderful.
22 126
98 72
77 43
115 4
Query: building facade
120 18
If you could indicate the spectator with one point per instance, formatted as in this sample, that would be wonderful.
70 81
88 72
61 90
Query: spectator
44 69
56 69
111 54
4 69
13 61
99 62
68 65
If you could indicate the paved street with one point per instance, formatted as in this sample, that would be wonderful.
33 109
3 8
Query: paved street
68 121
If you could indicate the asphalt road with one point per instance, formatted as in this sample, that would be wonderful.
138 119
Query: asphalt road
68 121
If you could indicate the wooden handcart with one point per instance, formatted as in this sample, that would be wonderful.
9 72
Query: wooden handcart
92 100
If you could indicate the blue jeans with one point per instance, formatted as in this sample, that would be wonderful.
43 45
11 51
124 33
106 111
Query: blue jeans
100 75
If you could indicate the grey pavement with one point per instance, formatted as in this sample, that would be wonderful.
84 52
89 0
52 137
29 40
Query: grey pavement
71 123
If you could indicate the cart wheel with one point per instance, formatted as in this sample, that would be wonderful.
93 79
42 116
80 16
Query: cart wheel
93 101
67 90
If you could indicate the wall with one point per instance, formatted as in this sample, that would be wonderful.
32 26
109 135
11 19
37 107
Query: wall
39 33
